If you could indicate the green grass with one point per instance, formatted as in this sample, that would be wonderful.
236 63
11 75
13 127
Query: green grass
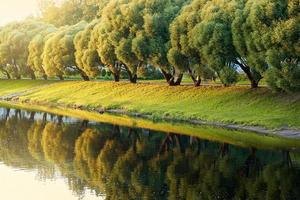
14 86
233 105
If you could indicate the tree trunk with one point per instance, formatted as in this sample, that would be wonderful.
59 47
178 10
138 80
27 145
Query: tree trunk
60 77
45 77
247 71
33 77
196 80
132 78
16 70
167 76
171 79
254 84
7 74
7 113
44 117
116 77
32 114
179 79
60 119
84 76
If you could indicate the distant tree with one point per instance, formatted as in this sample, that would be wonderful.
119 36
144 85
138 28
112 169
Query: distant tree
59 52
14 41
36 50
70 12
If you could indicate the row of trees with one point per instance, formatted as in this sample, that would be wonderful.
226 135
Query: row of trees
130 163
206 39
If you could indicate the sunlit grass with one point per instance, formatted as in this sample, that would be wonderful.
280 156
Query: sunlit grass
14 86
234 104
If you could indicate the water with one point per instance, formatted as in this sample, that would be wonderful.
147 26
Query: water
45 156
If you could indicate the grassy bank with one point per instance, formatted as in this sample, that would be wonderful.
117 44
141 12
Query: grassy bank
14 86
233 105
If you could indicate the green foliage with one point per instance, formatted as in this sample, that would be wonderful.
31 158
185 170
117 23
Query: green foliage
70 12
36 50
204 39
183 55
86 55
59 51
279 26
14 42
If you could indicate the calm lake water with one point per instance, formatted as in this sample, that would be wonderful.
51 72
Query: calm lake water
49 157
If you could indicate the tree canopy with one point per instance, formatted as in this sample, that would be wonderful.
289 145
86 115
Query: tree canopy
223 40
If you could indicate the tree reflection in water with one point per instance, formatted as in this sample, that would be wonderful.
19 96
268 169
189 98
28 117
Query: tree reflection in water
132 163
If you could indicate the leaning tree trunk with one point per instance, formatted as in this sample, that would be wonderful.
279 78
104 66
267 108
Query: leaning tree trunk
254 83
31 72
178 80
32 114
33 77
250 76
84 77
171 79
7 74
116 77
197 80
60 77
16 70
167 76
132 77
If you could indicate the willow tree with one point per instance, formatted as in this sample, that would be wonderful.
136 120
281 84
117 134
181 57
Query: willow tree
69 12
182 55
151 41
212 38
244 40
59 52
14 41
118 24
7 60
36 49
106 50
274 40
87 58
4 60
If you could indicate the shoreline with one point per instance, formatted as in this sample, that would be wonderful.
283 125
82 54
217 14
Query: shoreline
281 132
235 108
